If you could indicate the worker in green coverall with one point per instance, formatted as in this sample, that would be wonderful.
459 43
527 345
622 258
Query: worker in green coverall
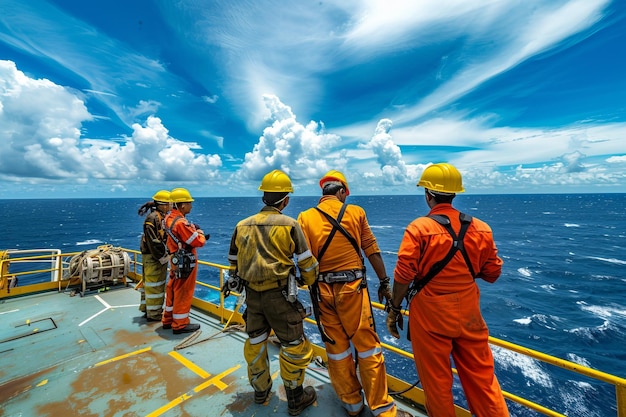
155 256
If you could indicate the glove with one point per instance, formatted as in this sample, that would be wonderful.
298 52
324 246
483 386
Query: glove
384 291
165 259
395 319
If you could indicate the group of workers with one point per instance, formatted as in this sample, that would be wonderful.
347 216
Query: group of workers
439 258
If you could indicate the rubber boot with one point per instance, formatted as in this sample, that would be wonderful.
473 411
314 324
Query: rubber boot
298 399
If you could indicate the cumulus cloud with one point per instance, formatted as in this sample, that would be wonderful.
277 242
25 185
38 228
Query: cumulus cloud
301 151
40 124
388 154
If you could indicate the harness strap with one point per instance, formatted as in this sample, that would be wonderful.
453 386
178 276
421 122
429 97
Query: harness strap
457 245
333 231
337 226
169 231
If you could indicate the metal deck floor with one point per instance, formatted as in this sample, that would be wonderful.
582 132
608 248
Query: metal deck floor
96 356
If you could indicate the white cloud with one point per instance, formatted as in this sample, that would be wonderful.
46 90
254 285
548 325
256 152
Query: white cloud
210 99
301 151
617 159
388 154
40 124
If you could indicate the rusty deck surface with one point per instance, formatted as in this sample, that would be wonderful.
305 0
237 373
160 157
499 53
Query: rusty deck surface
96 356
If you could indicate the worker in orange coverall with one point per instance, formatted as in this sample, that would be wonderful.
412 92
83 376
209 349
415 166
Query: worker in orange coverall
444 316
179 290
345 313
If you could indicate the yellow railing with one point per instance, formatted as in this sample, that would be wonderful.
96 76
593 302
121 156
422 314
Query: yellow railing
135 274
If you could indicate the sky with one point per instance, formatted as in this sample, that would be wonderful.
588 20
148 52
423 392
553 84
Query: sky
124 98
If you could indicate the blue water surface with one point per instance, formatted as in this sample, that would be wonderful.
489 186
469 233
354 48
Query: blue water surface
561 290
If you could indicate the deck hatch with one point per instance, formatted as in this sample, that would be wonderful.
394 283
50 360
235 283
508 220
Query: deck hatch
29 328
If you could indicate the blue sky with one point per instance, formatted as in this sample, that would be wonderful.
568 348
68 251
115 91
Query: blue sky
122 98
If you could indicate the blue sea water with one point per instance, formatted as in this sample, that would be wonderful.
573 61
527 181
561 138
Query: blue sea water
561 290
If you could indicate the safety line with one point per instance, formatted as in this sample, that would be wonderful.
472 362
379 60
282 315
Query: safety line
190 365
216 380
117 358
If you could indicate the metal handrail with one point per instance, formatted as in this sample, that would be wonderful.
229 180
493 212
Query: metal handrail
617 382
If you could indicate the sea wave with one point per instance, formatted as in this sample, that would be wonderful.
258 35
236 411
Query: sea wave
601 311
89 242
571 225
608 260
530 368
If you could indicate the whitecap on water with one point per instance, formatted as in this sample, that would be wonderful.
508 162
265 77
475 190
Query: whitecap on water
525 321
88 242
524 272
608 260
529 367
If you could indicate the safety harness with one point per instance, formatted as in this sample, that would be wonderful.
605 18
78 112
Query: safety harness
333 277
457 245
183 260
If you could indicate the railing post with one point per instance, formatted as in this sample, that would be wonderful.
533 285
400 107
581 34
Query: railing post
620 397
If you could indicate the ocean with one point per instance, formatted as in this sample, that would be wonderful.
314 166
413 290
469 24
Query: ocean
561 290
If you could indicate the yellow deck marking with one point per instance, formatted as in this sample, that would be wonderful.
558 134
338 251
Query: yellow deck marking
117 358
216 380
190 365
44 382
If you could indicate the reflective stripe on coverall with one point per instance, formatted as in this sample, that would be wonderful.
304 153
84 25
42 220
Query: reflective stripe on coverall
154 273
262 252
345 310
179 292
445 317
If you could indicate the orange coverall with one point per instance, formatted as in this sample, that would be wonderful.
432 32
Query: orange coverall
345 310
445 317
179 292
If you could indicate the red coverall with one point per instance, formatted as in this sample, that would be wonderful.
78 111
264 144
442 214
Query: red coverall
445 317
179 292
345 310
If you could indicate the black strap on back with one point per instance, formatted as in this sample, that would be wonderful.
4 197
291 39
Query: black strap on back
337 226
457 245
169 232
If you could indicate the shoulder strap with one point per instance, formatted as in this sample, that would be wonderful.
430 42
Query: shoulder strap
169 230
337 226
457 245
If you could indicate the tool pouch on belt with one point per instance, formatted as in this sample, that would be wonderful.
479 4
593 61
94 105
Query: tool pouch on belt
183 262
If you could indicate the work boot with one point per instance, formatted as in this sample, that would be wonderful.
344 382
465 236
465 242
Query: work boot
402 413
261 396
298 399
190 328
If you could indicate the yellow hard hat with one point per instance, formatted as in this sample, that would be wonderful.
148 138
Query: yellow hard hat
162 196
334 175
442 178
276 182
180 195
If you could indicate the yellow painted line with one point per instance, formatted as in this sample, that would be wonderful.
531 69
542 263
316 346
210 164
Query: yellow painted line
117 358
190 365
216 380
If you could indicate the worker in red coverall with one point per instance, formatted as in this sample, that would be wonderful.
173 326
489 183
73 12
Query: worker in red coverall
179 291
445 317
345 312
